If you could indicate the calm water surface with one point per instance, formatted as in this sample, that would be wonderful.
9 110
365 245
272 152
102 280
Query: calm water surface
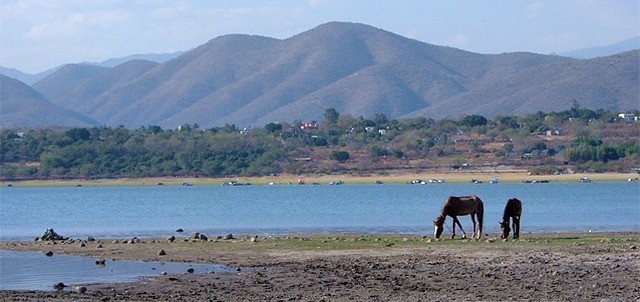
120 212
24 270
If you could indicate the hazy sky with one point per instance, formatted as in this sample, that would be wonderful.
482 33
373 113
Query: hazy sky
39 34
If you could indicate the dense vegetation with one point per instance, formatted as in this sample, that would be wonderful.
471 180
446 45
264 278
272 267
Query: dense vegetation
573 140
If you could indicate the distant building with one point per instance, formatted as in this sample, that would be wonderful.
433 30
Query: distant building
309 126
628 117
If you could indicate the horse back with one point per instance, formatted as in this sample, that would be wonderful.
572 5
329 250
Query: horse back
463 205
513 208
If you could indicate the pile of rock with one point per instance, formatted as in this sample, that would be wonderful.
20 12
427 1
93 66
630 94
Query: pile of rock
50 234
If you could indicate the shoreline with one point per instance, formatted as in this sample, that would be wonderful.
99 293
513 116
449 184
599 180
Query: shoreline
484 176
550 266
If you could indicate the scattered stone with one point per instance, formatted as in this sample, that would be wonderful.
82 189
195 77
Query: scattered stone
228 237
171 238
99 245
253 239
116 242
80 289
191 270
101 262
50 234
82 244
238 269
198 236
162 253
48 254
179 230
163 273
633 247
59 286
90 238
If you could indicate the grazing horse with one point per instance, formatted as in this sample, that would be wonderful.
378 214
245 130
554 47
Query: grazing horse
513 210
460 206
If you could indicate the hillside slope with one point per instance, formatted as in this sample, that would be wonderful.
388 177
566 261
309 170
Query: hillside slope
355 68
21 106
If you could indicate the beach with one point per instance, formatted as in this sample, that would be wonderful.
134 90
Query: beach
558 267
391 177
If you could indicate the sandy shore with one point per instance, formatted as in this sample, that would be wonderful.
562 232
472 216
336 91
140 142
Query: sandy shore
452 176
558 267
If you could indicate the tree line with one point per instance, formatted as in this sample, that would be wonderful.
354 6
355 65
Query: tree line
598 141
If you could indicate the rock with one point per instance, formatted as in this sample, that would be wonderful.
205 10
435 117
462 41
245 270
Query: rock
190 270
228 237
162 253
253 239
99 245
179 230
82 244
171 238
80 289
198 236
90 238
50 234
59 286
101 262
48 254
633 247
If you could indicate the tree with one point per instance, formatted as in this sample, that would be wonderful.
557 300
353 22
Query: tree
273 127
331 116
341 156
474 120
78 134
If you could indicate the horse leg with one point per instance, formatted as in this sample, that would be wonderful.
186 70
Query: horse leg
464 235
516 227
453 235
475 227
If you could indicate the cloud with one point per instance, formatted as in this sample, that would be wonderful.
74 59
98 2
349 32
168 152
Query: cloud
458 40
76 23
533 10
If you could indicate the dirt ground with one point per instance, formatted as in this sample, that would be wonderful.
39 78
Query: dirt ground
538 267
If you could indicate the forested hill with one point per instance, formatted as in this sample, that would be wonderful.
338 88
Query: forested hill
357 69
574 140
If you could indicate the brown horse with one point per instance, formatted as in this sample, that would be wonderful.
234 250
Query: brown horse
460 206
513 210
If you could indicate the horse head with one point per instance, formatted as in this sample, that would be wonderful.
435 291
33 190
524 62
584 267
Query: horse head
505 229
437 225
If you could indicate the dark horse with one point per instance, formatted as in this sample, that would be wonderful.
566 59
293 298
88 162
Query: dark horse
460 206
512 210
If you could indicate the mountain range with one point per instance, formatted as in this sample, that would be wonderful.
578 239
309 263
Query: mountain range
357 69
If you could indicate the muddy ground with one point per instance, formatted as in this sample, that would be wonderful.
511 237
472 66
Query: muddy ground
557 267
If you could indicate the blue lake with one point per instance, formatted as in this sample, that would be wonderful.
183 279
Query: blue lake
24 270
156 211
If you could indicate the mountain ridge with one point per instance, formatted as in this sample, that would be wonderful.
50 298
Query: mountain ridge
355 68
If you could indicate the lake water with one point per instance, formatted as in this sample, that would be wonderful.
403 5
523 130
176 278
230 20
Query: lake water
157 211
24 270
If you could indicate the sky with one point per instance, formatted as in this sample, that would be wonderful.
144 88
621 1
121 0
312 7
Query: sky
36 35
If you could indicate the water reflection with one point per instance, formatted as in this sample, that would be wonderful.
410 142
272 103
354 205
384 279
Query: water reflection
35 271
